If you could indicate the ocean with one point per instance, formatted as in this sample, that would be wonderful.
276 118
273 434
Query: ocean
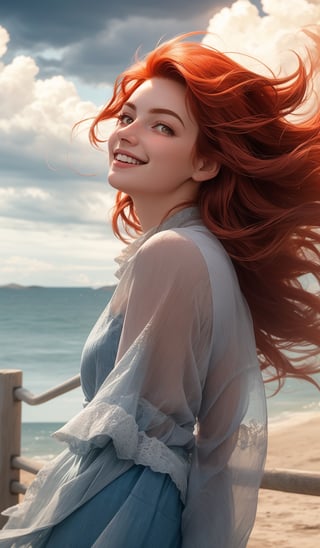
42 333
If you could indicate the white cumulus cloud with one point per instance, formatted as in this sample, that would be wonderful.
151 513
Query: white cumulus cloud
45 188
37 116
4 39
270 42
271 38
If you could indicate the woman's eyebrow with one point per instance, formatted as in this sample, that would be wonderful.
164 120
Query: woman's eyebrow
158 111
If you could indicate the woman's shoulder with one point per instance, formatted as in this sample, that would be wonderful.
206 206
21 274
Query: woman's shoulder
184 246
172 255
175 245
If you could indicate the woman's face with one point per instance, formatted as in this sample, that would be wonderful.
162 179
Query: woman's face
151 151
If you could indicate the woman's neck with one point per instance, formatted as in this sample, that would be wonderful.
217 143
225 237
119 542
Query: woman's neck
151 217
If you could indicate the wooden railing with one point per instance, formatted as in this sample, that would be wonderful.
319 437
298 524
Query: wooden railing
11 462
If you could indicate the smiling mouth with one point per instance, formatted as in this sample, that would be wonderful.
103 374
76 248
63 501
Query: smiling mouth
127 159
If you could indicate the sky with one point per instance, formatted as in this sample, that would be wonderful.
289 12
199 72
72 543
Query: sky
58 61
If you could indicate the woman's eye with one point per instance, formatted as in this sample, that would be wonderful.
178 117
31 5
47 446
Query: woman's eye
124 119
162 128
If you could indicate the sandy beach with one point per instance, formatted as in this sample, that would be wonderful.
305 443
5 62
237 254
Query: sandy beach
286 520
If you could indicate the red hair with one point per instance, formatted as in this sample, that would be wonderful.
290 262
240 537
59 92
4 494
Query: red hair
264 203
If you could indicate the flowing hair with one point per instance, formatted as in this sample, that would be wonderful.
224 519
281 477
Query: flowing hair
264 204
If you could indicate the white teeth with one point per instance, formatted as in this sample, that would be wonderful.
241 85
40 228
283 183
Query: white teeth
127 159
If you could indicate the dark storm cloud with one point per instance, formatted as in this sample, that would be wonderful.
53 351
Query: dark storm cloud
102 58
66 21
97 39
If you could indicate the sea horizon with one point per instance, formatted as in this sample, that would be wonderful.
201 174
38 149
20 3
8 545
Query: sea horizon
14 285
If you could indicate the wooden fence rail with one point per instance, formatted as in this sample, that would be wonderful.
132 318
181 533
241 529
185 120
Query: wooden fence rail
25 395
11 461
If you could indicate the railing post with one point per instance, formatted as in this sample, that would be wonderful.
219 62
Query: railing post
10 436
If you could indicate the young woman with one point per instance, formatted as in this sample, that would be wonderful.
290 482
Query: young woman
222 193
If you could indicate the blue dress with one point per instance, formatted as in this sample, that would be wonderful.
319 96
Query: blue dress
141 508
170 445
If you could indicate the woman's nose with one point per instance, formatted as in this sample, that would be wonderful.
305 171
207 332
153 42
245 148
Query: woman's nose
128 133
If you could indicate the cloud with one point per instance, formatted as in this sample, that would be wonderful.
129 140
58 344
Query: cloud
95 41
4 39
271 38
17 82
38 107
269 42
36 150
56 255
26 264
61 23
105 55
54 201
88 207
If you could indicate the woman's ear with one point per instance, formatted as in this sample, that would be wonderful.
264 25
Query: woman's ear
205 169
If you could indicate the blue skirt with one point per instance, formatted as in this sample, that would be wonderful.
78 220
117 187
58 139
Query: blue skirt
139 509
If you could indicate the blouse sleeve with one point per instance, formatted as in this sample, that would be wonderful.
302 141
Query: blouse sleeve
226 470
168 323
230 445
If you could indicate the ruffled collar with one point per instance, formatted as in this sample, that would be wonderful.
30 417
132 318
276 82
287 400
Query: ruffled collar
177 220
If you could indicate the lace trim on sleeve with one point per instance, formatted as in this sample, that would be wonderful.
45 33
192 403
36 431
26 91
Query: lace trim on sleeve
106 422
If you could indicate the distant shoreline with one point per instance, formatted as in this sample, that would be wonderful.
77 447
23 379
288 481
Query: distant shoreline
22 287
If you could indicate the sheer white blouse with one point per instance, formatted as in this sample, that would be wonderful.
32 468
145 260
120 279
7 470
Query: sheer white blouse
179 389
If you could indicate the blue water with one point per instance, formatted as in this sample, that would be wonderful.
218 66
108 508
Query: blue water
36 440
42 332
